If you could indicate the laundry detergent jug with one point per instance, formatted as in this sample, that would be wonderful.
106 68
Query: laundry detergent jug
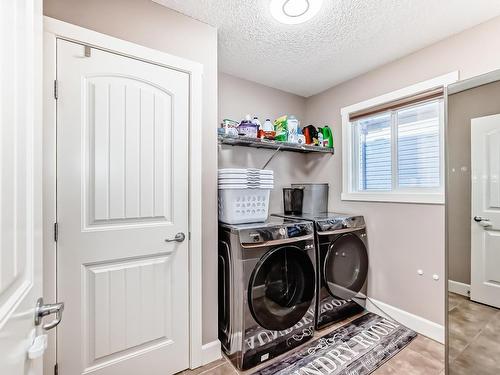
327 136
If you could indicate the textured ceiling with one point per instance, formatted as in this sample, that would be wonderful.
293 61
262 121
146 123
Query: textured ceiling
346 39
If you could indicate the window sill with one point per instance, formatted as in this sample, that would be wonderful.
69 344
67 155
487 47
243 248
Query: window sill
429 198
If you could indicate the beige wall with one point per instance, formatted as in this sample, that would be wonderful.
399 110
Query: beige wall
402 237
462 107
238 97
149 24
405 237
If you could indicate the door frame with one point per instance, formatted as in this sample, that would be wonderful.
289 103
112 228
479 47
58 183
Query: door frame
54 30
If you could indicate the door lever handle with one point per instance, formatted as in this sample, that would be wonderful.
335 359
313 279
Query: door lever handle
179 237
478 219
42 310
482 221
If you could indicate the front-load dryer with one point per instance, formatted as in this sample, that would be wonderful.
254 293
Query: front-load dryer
342 256
267 288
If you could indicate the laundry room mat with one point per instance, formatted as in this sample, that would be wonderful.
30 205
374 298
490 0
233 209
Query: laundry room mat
359 348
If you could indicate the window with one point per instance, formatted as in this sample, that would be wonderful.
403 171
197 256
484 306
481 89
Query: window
393 149
414 134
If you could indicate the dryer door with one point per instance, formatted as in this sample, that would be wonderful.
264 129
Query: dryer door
281 288
346 266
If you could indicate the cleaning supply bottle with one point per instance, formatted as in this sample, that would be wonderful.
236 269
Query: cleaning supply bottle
268 126
320 137
293 129
327 136
281 128
257 122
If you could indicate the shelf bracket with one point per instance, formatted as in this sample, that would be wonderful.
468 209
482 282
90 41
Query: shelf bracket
271 158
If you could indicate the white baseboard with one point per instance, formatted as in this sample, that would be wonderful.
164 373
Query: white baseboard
459 288
418 324
211 352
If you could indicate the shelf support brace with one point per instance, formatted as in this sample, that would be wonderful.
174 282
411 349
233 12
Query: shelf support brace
271 158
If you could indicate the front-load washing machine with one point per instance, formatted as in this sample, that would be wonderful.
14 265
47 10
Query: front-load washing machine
267 288
342 256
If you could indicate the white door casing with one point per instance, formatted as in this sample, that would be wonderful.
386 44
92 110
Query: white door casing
485 221
20 183
122 190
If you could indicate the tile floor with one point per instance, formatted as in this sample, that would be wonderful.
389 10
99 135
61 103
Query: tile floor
473 337
422 356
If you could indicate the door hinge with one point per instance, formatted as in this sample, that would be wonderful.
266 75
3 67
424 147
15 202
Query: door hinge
87 51
56 369
56 90
189 236
56 231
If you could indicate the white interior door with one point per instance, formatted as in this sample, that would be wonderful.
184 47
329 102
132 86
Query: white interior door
122 190
485 247
20 183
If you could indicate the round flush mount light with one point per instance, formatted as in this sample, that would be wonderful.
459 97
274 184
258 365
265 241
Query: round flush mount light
293 12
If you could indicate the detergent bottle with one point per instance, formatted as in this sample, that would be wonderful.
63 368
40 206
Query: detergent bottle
327 136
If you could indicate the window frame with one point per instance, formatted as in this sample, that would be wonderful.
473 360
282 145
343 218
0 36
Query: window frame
350 187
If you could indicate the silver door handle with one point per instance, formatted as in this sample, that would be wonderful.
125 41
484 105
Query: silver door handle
478 219
486 223
42 310
179 237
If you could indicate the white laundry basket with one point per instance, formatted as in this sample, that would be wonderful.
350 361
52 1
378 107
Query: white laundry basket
243 205
244 195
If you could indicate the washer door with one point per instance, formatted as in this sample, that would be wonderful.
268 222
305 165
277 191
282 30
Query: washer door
346 266
281 288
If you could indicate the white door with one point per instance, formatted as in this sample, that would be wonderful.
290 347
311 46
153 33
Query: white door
20 183
122 191
485 247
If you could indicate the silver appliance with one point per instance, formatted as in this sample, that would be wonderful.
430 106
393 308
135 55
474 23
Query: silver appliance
315 199
342 256
267 288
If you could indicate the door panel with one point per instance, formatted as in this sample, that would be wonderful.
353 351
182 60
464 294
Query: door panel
485 240
492 253
129 152
122 183
20 182
118 296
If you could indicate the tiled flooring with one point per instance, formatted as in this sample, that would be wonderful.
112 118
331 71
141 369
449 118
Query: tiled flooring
473 334
421 357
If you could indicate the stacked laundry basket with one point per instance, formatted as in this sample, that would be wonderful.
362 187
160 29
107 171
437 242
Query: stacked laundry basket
244 195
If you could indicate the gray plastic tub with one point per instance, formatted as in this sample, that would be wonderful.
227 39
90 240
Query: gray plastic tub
315 198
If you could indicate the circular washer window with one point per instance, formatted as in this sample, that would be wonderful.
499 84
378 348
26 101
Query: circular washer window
346 266
281 288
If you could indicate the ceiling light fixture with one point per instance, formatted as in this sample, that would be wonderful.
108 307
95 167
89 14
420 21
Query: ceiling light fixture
293 12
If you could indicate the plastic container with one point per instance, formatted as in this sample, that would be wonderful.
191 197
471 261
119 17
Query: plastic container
230 127
293 129
327 136
244 185
245 179
244 195
250 172
281 129
268 126
315 198
248 129
256 122
239 206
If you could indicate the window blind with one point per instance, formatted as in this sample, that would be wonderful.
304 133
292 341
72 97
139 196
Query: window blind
399 149
399 103
375 161
418 146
